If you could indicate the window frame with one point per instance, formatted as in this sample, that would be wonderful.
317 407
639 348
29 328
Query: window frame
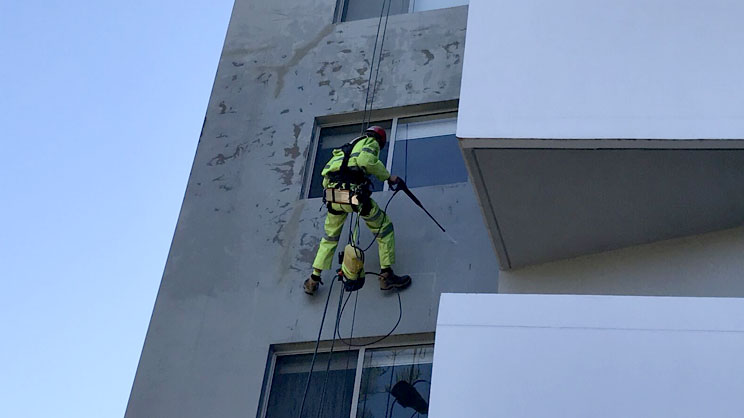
308 348
393 116
341 6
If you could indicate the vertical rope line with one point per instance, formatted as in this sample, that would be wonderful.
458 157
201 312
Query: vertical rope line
377 73
315 352
330 354
371 67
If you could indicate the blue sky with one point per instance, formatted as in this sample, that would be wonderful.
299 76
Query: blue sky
101 104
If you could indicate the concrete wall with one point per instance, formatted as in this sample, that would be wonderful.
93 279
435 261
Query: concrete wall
700 265
661 69
245 239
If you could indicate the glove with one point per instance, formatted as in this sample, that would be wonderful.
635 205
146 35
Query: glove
393 180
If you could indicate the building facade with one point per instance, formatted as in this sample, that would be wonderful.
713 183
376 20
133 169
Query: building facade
542 191
231 315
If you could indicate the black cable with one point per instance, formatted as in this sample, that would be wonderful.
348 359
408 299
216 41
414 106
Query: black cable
400 316
384 217
330 354
391 406
382 45
371 68
315 352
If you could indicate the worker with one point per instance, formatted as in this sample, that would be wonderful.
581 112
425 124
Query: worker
346 174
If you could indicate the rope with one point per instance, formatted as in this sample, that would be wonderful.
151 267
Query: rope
330 354
340 310
315 352
372 65
377 73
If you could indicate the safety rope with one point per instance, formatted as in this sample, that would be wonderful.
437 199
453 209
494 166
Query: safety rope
315 352
330 354
365 115
365 122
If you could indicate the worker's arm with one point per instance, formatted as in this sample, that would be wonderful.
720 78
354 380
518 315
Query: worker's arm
368 159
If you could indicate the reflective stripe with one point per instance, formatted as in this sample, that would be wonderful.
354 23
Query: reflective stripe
334 239
356 154
375 216
369 150
385 232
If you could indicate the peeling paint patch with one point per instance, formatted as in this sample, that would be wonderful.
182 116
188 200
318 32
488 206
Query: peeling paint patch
358 81
221 158
298 129
222 135
345 51
293 151
324 83
225 109
284 111
286 171
237 64
225 187
429 56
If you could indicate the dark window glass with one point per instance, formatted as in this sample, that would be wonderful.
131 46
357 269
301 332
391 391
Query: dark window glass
364 9
383 370
290 377
336 137
427 153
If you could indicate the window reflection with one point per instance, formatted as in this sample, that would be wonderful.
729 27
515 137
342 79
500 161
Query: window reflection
386 368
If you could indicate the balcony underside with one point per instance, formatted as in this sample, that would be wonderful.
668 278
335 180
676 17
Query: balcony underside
547 204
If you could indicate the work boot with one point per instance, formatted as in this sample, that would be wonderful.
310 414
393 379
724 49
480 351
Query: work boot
311 284
388 280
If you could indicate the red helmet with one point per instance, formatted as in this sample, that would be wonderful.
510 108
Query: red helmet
379 133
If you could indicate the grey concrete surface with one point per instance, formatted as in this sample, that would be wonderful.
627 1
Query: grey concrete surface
245 239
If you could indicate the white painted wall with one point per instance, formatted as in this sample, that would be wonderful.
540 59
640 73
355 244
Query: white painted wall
588 356
655 69
699 265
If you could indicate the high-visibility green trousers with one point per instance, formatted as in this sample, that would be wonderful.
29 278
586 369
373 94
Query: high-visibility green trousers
377 221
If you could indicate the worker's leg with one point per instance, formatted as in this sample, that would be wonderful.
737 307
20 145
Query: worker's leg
334 222
379 223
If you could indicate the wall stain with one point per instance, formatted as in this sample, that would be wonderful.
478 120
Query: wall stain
286 171
222 158
297 56
298 129
429 56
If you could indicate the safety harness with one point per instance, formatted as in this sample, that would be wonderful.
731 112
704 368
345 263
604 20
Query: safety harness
352 184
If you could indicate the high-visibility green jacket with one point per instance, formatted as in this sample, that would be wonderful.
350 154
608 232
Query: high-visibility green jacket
364 155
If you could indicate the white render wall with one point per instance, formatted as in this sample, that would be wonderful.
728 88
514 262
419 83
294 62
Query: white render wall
587 69
699 265
588 356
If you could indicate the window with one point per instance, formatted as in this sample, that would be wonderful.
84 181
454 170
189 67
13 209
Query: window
383 379
423 150
426 152
348 10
